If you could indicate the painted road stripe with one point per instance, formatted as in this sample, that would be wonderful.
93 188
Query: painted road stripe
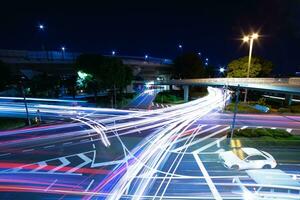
85 140
41 165
64 161
211 186
27 150
86 159
50 146
67 143
202 139
50 185
88 187
5 154
210 145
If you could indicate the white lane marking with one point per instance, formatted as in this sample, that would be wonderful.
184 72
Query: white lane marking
50 146
88 187
5 154
108 163
64 161
50 185
207 178
41 165
85 140
27 150
244 127
67 143
94 147
86 159
202 139
289 130
210 145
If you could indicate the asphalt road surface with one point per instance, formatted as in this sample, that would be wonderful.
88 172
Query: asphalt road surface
169 153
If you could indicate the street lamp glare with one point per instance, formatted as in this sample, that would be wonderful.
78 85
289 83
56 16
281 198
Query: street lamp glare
113 53
63 48
222 70
41 26
254 35
245 38
146 56
180 46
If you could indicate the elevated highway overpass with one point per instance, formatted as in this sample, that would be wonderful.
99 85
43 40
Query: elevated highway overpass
61 62
288 86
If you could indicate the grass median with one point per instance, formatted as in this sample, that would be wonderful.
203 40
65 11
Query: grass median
11 123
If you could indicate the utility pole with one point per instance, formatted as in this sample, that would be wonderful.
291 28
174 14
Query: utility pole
25 102
237 93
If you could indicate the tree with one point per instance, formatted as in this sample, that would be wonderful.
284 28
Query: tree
259 67
91 67
70 84
45 85
188 65
104 72
5 75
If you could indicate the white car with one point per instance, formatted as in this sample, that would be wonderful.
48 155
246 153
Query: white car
247 158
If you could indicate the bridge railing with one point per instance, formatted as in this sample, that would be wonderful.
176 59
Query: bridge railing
271 81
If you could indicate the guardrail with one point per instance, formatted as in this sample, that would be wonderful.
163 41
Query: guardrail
224 81
287 85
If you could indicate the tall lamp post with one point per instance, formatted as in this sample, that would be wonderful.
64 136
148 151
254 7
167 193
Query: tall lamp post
24 99
250 39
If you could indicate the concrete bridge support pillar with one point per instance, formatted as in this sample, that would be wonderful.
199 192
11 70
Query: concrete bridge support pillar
186 93
288 99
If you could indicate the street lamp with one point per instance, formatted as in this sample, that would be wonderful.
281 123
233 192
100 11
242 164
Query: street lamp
222 69
24 99
63 52
249 38
180 47
41 27
146 57
113 53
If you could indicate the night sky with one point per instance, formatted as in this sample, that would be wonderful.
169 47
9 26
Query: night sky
156 28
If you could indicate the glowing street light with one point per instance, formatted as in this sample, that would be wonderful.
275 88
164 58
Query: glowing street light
250 39
146 57
222 69
113 53
63 52
180 46
41 27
